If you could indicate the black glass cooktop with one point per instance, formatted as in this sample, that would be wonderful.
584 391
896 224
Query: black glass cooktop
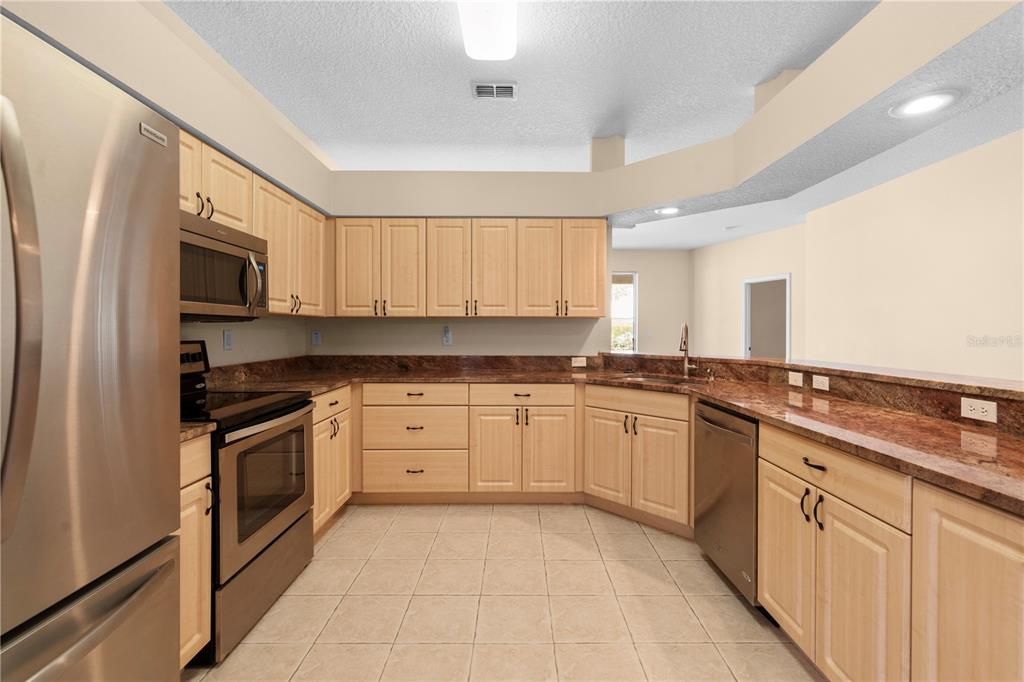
234 408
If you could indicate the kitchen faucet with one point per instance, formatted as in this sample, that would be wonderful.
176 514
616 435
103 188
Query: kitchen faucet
684 346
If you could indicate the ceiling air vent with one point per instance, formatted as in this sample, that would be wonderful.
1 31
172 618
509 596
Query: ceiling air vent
495 91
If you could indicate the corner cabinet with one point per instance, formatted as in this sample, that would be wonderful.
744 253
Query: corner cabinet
639 458
968 589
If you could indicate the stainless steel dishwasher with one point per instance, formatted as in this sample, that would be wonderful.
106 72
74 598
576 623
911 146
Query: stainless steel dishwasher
725 494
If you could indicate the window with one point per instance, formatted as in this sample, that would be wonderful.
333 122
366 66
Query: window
624 306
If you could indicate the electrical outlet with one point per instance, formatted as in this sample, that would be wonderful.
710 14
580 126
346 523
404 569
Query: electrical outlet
446 335
796 379
315 340
979 444
579 361
228 341
819 382
982 410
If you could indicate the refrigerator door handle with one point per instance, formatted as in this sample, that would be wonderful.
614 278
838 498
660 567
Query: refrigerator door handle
99 631
29 315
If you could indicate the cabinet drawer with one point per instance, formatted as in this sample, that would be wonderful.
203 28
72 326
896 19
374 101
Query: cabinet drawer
391 471
522 394
331 403
415 394
881 492
195 460
415 428
639 401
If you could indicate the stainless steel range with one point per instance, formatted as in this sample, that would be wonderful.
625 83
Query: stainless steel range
263 487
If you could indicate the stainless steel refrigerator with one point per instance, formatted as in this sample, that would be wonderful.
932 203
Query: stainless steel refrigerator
88 562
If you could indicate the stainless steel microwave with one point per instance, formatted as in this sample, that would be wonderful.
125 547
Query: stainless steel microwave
223 271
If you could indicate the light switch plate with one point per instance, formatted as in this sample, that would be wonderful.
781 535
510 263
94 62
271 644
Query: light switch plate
982 410
228 341
579 361
315 340
796 378
819 382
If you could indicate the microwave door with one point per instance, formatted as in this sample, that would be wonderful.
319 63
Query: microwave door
216 278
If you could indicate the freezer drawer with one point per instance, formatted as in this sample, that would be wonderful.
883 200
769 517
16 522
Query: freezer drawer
125 628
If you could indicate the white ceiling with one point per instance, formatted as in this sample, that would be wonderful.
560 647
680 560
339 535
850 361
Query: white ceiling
386 85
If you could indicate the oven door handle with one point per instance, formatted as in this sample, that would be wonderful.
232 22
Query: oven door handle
236 436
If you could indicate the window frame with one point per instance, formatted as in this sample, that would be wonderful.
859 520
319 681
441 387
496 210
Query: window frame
635 276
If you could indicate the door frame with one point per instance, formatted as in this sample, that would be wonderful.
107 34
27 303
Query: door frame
745 322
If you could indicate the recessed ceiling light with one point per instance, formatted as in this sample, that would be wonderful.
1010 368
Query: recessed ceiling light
924 104
668 210
489 29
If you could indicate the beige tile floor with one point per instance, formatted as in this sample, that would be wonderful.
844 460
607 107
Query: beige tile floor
513 592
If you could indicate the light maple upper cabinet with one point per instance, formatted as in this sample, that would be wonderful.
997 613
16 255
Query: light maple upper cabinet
660 481
403 264
495 449
549 449
357 267
539 267
190 173
274 217
584 267
607 464
227 190
494 267
309 267
968 589
449 267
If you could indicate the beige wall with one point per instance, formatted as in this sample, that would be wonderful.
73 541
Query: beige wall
665 282
396 336
264 339
903 275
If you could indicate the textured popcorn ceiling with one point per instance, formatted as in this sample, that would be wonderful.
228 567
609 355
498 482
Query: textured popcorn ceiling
385 85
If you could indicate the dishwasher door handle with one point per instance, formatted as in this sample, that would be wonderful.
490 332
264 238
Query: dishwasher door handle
726 430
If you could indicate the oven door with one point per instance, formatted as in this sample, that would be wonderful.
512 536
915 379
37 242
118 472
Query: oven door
220 279
264 483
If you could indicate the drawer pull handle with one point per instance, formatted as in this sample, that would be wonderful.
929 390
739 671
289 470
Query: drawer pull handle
332 403
807 493
414 471
819 467
413 428
415 395
821 499
521 395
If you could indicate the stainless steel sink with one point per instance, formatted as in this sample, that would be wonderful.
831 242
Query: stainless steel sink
650 378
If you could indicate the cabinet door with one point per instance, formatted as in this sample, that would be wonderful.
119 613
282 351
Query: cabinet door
323 473
968 589
403 266
549 449
661 467
606 465
357 267
342 443
539 267
190 173
584 267
449 267
274 220
862 627
495 449
308 272
785 552
494 267
228 184
196 574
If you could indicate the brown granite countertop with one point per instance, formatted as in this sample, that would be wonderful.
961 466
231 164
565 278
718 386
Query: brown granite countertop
981 464
190 430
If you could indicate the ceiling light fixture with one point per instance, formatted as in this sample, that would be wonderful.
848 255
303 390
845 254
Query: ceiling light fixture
668 210
489 29
924 104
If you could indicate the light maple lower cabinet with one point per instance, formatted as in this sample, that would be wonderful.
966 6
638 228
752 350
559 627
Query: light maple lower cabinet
332 484
968 585
835 578
195 542
514 449
607 464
